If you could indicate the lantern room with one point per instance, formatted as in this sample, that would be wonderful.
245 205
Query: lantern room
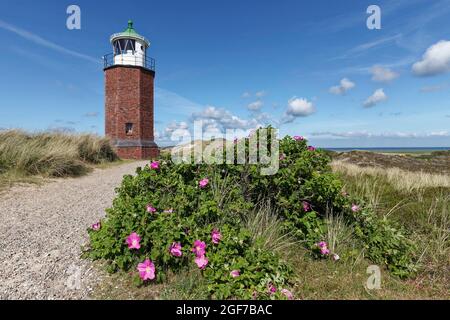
130 49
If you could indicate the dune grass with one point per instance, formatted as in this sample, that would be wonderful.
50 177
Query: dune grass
26 156
401 180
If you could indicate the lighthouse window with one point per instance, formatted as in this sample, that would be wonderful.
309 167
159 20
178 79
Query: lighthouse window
123 45
130 45
129 129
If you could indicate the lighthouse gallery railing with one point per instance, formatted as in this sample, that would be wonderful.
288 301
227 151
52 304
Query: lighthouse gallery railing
110 60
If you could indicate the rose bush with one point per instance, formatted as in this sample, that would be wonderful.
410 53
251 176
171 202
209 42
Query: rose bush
169 217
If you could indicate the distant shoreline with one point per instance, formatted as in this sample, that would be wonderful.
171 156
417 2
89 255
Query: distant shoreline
391 149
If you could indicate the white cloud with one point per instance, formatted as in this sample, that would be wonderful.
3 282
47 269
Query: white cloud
435 88
298 107
436 60
377 97
255 106
365 134
382 74
173 132
344 86
260 94
223 119
45 43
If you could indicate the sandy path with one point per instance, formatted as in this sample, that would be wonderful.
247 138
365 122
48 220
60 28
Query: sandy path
42 229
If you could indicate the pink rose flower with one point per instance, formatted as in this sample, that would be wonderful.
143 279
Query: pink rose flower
201 262
146 270
96 226
150 209
216 236
199 248
355 208
272 288
311 148
322 244
299 138
133 241
175 249
325 251
203 183
287 294
155 165
306 206
235 273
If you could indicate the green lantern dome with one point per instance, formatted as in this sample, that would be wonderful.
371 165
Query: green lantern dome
129 33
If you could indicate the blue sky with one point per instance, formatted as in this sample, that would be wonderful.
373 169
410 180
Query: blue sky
310 68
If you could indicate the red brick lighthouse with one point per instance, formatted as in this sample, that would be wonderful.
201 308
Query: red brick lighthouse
129 86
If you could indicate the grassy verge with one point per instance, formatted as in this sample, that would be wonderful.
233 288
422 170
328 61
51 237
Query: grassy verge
26 157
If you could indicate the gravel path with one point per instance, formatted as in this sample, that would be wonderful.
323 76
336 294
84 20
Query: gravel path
42 229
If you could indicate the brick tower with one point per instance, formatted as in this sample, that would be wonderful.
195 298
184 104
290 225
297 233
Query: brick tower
129 85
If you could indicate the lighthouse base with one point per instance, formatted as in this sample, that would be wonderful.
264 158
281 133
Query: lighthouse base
138 153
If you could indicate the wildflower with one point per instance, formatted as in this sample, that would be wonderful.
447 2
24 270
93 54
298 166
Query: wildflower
97 226
216 236
311 148
306 206
201 262
282 157
203 183
272 288
199 248
235 273
287 294
154 165
322 244
146 270
133 241
323 248
150 209
168 210
355 208
299 138
335 257
175 249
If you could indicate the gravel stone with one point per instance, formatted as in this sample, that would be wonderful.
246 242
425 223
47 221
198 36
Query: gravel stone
42 230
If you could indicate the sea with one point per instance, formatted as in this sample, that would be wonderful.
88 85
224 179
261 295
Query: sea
393 150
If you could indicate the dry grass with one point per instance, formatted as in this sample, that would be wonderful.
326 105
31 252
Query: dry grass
24 155
400 179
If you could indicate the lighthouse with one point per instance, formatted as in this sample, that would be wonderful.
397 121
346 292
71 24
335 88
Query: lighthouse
129 93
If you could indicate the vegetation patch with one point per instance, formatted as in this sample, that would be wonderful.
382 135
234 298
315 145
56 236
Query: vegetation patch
170 218
25 155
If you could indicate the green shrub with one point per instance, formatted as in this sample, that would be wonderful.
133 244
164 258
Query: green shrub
301 193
